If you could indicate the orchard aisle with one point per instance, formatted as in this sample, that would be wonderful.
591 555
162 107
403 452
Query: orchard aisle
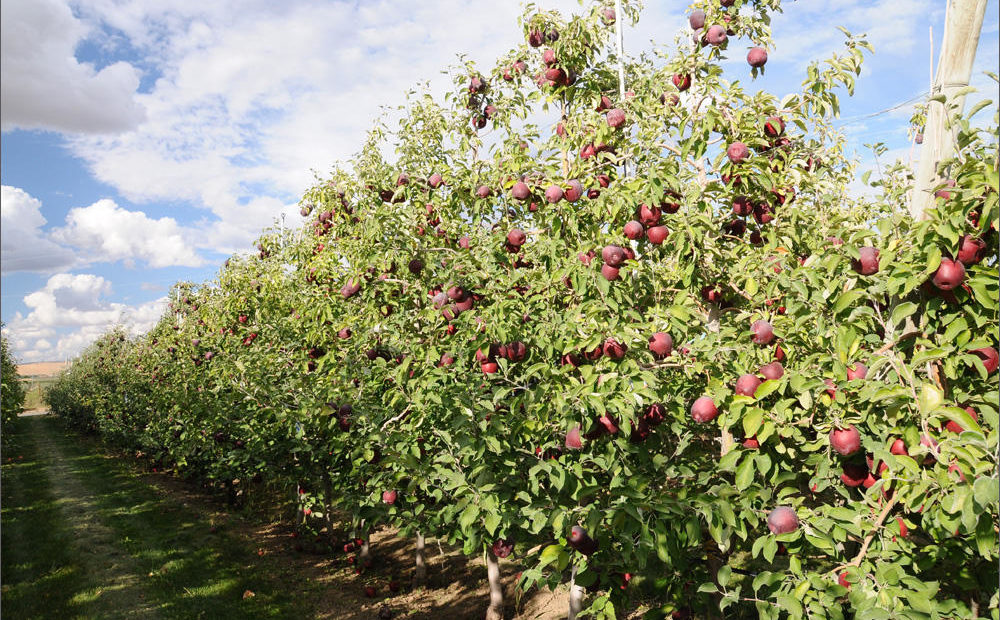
87 535
83 536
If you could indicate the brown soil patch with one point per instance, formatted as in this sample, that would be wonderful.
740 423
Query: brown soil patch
328 582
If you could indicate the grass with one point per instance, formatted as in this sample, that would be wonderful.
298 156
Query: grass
85 536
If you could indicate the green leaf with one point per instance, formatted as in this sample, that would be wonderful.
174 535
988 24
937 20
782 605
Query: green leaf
752 420
744 473
902 311
846 299
491 521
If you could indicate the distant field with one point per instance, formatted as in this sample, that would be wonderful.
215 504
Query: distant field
41 369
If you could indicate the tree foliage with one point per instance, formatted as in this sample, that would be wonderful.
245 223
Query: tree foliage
442 326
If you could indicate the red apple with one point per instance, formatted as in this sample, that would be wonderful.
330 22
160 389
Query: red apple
955 427
854 475
763 332
502 547
990 357
846 441
389 497
742 206
516 238
737 152
581 541
649 216
520 191
657 234
661 344
898 448
634 230
553 194
774 126
614 349
950 273
370 591
616 118
574 191
971 250
704 410
747 385
610 273
757 57
696 19
867 262
681 81
613 255
751 443
782 520
772 371
573 440
715 35
857 370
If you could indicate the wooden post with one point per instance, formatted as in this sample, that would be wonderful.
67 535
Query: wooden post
962 24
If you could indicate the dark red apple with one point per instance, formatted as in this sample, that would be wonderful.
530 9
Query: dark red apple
742 205
370 591
990 358
774 126
854 475
613 255
488 368
502 547
649 216
898 448
553 193
747 385
634 230
867 262
950 273
737 152
955 427
704 410
581 541
772 371
763 332
657 234
751 443
971 250
516 238
614 349
757 57
845 441
435 180
681 81
661 344
574 192
520 191
610 273
782 520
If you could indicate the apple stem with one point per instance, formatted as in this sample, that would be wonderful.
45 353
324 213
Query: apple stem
420 574
575 596
495 611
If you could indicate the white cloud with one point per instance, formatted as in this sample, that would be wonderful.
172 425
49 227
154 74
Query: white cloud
101 232
23 244
106 233
72 310
45 87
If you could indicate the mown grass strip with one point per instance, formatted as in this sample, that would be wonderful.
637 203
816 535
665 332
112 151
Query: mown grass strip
40 572
182 569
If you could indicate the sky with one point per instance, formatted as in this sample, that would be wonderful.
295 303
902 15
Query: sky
145 142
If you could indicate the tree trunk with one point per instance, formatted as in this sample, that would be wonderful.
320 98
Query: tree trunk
575 597
420 574
495 611
963 22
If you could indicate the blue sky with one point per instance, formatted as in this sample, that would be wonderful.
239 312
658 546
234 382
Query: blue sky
143 143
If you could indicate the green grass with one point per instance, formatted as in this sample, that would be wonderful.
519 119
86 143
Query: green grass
34 391
138 553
